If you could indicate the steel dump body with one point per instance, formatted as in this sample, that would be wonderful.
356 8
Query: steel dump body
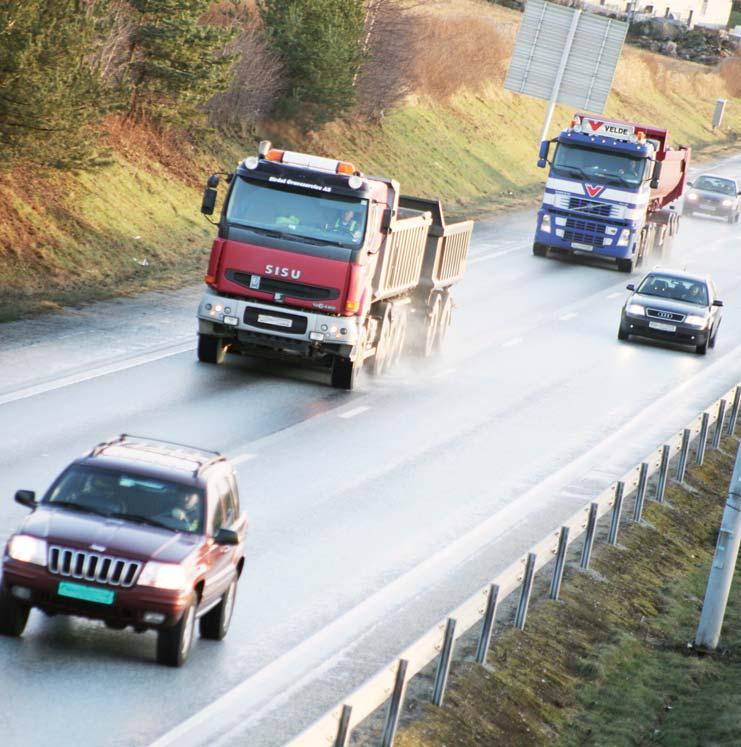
447 245
674 167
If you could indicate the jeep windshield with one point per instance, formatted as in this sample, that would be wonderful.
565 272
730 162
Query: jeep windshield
133 498
297 215
598 165
715 184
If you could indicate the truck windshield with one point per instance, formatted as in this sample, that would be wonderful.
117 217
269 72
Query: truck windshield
598 165
141 500
329 220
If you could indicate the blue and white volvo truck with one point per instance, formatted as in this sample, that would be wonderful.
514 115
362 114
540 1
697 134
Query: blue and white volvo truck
608 190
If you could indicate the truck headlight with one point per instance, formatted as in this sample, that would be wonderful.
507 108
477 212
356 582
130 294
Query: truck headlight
624 238
636 309
696 321
27 549
545 223
162 576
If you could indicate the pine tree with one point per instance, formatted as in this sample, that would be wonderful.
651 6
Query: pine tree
321 44
51 97
176 61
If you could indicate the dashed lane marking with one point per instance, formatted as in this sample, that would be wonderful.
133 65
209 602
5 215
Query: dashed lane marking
356 411
511 343
567 317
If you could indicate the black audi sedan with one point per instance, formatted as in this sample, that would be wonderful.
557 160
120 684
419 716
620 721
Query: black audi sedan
673 306
713 195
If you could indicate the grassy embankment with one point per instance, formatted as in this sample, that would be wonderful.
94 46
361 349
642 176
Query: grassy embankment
609 664
66 238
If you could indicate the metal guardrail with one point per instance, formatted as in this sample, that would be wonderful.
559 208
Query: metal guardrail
333 729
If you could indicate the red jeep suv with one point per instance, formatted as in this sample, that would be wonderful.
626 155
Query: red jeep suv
138 532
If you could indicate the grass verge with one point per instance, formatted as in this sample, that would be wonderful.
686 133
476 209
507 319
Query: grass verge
609 663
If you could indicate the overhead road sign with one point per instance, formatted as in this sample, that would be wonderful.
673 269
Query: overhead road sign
565 56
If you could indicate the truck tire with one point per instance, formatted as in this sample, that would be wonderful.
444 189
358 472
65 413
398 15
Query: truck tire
13 615
174 643
626 265
211 349
540 250
214 625
432 326
399 337
444 323
380 360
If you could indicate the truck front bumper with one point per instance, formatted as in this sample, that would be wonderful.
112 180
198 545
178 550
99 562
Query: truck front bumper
582 234
252 324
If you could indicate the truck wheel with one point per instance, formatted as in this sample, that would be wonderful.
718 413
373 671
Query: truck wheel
379 362
211 349
626 265
433 322
13 615
174 643
444 323
399 338
214 624
540 250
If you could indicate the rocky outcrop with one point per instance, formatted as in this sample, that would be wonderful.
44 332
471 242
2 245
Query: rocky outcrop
674 39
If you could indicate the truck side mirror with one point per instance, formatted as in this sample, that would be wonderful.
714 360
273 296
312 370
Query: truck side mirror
543 153
388 216
26 498
213 181
656 175
209 201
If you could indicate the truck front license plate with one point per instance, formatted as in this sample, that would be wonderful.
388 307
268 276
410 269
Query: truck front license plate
662 327
86 593
583 247
276 320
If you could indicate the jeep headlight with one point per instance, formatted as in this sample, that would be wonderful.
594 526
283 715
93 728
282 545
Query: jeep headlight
696 321
162 576
27 549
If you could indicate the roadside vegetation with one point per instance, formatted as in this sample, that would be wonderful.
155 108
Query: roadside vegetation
112 112
611 663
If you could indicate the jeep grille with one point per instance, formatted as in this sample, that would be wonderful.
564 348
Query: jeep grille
92 566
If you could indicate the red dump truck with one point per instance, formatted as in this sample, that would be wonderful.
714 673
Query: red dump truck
607 189
318 262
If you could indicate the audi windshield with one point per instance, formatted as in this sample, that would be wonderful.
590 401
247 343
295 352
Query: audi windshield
289 214
598 165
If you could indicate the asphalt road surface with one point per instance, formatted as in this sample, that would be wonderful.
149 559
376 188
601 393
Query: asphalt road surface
372 513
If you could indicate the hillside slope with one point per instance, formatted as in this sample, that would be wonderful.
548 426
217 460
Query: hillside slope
67 238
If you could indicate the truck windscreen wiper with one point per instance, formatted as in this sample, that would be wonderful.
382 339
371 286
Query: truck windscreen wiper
619 177
573 169
265 231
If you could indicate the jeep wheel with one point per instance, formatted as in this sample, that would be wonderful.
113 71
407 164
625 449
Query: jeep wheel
211 349
215 624
13 615
174 643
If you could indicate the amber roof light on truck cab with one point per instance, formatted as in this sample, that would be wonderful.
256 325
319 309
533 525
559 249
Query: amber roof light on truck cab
291 158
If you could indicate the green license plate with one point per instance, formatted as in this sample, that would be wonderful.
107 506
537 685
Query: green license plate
86 593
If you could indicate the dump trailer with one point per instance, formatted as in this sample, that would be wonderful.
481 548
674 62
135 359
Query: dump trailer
609 191
315 261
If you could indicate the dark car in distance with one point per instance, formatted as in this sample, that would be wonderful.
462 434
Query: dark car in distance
713 195
673 306
138 532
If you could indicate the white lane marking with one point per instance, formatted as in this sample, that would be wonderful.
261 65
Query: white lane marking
567 317
616 294
242 458
94 373
443 374
352 413
511 343
494 255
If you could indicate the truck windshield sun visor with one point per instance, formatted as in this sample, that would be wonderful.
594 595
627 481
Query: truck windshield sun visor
599 165
297 215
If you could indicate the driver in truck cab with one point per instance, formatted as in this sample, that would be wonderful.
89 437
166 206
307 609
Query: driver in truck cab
346 223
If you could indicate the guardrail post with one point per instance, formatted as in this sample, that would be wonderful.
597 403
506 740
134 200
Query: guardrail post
443 667
702 438
719 424
586 551
663 471
342 727
617 511
397 700
731 429
558 568
682 466
487 626
527 587
640 492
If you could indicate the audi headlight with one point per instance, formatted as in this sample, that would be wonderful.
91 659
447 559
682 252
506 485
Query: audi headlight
696 321
692 196
27 549
636 309
163 576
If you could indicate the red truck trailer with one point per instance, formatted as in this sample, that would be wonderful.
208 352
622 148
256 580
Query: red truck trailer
318 262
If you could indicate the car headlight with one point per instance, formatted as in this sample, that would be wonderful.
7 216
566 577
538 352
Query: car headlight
692 196
27 549
636 309
727 203
162 576
696 321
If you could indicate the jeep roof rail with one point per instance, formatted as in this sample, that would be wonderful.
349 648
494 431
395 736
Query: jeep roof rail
194 451
104 444
210 462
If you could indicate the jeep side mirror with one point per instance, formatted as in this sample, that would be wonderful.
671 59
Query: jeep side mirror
630 287
543 153
388 216
689 184
26 498
717 302
209 201
226 537
656 175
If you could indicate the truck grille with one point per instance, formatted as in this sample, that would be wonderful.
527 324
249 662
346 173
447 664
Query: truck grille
287 288
588 207
584 231
669 316
92 566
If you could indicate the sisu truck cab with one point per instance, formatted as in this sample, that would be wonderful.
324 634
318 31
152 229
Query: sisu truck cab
608 185
315 261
